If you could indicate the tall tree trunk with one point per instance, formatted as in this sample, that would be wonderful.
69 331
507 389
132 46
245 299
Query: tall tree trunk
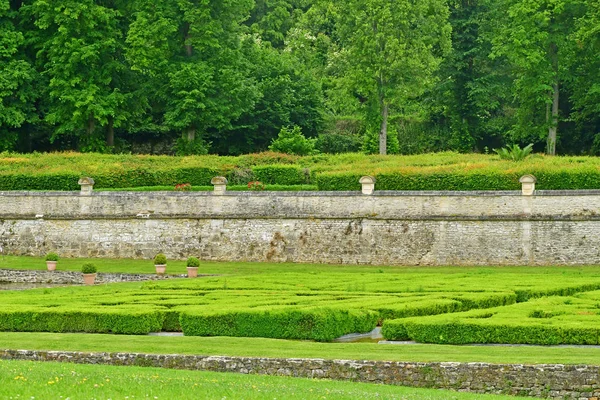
553 127
384 127
186 37
110 132
91 126
190 134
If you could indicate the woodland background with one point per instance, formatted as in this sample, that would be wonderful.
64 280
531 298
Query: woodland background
225 76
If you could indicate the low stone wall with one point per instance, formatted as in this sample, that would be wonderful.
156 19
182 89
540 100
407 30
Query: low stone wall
73 278
548 381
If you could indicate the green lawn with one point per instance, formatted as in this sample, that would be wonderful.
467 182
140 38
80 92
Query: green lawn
274 348
35 380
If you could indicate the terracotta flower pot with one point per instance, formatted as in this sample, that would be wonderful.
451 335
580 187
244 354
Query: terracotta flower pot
51 265
89 279
192 272
160 268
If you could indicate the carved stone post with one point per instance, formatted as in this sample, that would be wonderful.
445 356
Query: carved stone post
87 186
368 184
528 185
220 183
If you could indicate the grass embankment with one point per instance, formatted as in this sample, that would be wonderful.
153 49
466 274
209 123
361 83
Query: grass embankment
21 379
442 171
277 348
289 301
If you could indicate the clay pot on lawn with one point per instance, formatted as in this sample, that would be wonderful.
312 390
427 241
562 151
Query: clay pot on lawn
89 279
192 272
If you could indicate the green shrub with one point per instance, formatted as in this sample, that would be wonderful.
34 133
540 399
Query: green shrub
66 319
371 141
332 143
88 268
192 262
281 175
514 153
160 259
546 321
51 257
291 323
292 141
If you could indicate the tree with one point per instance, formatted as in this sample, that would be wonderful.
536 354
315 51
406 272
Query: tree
535 37
16 76
390 50
77 48
191 50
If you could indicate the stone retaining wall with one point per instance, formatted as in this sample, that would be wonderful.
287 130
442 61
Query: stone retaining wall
386 228
547 381
73 278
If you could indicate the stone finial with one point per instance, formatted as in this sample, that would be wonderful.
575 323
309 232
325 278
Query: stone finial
220 183
368 184
87 185
528 185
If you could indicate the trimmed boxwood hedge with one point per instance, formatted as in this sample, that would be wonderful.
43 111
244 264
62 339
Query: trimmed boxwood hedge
546 321
65 319
292 323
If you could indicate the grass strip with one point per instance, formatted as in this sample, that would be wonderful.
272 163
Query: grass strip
276 348
57 380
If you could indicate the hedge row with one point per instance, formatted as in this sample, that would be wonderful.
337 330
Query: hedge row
142 177
129 322
292 323
470 332
463 181
547 321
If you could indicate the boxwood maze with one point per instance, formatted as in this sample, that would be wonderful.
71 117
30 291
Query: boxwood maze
442 305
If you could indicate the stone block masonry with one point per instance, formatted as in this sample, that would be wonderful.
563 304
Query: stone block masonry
74 278
547 381
384 228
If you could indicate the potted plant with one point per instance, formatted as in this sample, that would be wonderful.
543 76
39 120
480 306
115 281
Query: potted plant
51 260
192 267
160 263
89 273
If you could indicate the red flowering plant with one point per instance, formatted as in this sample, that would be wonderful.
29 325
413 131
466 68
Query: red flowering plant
183 187
256 185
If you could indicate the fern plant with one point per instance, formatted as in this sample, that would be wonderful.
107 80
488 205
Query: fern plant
515 153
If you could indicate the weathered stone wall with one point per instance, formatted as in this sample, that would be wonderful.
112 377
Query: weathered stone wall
548 381
74 278
401 228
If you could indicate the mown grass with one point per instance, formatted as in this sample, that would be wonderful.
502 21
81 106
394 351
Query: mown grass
29 380
277 348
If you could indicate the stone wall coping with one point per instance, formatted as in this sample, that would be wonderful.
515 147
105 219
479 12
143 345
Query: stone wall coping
381 193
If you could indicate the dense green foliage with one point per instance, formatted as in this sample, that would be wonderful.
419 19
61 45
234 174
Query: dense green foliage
546 321
324 302
49 380
278 171
192 77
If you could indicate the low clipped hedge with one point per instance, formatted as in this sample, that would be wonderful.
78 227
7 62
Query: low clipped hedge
306 324
124 321
453 180
546 321
474 332
442 171
281 175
